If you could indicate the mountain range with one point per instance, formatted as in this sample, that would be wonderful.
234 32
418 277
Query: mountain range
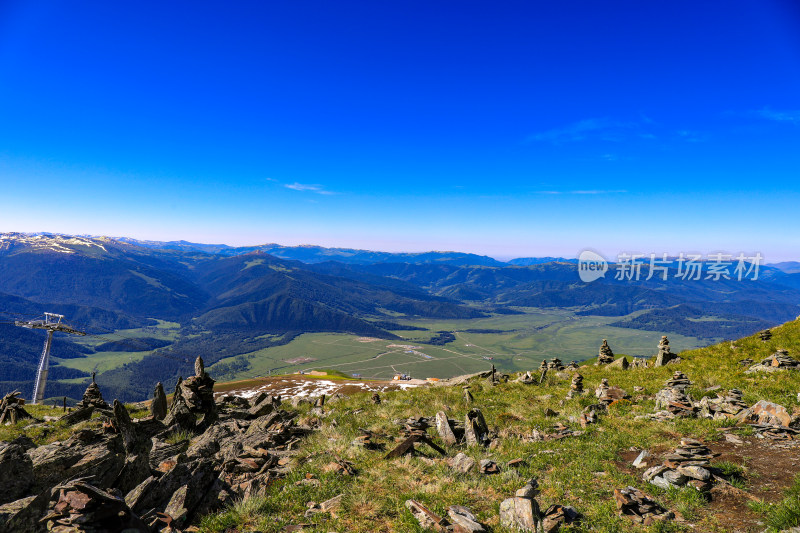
233 300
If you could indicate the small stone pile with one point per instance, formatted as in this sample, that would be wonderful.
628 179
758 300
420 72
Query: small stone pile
542 371
636 505
687 465
576 386
780 360
606 355
723 406
193 398
11 410
672 401
555 364
92 397
607 395
602 388
527 378
665 356
573 365
765 335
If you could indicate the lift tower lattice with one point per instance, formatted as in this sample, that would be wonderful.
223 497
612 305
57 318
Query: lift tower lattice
51 323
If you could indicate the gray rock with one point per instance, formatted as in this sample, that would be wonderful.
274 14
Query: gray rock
53 463
17 472
660 482
520 513
426 518
695 472
158 408
463 517
619 364
475 429
462 463
674 477
641 460
11 509
444 429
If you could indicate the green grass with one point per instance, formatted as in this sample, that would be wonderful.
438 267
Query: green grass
526 341
580 471
784 514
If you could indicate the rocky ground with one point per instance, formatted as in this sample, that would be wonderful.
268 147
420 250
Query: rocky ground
708 441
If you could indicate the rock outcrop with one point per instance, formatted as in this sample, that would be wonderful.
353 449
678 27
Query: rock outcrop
140 475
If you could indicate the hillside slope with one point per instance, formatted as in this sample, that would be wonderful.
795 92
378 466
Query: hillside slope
581 470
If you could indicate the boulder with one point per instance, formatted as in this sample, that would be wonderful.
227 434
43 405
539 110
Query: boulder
619 364
464 518
461 463
158 408
445 429
521 514
17 472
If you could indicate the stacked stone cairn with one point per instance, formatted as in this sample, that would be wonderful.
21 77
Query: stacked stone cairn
765 335
687 465
780 360
665 356
193 401
11 410
723 406
555 364
607 395
542 371
92 397
576 386
637 506
672 401
606 355
573 365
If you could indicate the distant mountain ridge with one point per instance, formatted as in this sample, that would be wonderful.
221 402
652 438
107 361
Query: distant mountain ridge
225 301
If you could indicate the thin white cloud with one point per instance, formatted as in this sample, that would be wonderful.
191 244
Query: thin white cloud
691 136
792 117
589 191
302 187
594 128
618 131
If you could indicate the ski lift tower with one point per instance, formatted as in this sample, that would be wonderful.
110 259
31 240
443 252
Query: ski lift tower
52 323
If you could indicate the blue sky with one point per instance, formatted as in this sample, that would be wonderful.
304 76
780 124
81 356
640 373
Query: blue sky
510 129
